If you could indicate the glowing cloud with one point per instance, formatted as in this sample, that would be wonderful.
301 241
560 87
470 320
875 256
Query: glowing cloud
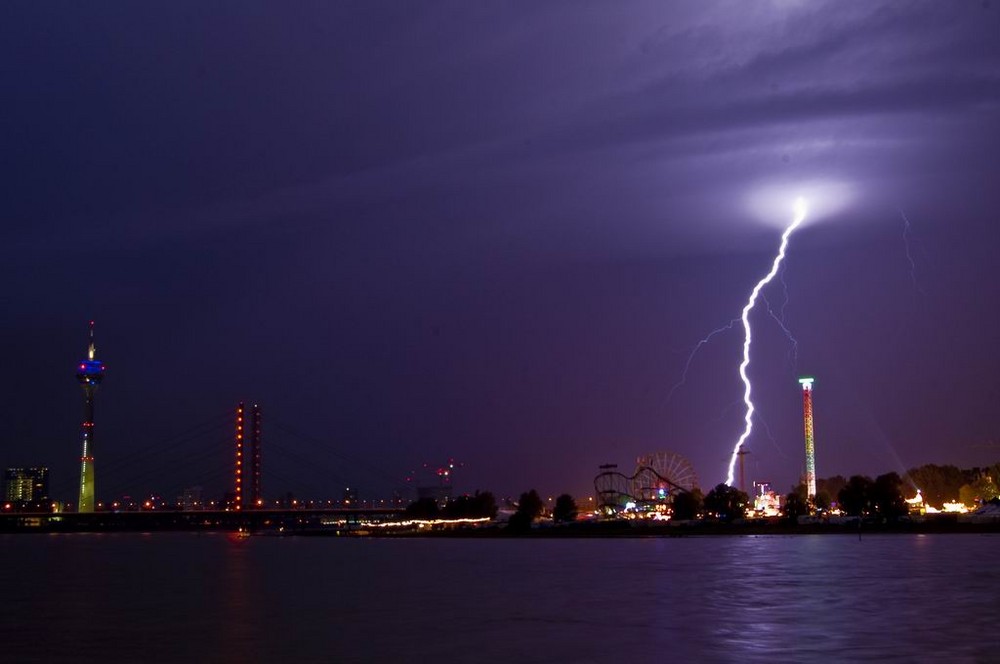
800 215
768 202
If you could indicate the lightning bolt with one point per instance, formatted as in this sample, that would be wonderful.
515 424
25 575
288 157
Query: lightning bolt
694 351
774 441
800 215
793 353
780 319
784 290
906 248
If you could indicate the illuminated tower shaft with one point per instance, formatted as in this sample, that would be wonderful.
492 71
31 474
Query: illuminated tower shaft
88 489
89 373
240 456
255 496
807 413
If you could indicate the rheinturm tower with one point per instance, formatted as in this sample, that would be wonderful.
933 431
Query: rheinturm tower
90 373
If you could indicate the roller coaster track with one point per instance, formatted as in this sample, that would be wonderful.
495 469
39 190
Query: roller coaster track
614 489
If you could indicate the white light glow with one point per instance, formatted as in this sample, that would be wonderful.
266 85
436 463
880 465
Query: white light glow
769 202
956 507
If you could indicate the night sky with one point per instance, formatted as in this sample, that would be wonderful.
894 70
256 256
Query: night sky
494 231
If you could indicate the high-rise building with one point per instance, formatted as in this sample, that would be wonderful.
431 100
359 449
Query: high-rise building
190 499
807 415
27 485
89 373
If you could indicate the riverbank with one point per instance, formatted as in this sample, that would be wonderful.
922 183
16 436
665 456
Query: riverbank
385 524
632 529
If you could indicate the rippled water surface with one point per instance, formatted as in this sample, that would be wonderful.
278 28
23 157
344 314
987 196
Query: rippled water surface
177 597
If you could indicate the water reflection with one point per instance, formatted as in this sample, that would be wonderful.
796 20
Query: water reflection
745 599
237 599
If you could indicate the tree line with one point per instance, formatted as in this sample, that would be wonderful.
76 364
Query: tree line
530 507
938 484
477 506
883 497
859 495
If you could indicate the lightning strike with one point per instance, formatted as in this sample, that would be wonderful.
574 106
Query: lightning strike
784 290
774 441
793 352
800 215
694 351
909 256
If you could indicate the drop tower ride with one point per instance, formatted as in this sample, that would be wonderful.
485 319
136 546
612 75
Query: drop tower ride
89 373
807 414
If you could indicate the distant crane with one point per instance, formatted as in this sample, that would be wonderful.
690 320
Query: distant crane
436 480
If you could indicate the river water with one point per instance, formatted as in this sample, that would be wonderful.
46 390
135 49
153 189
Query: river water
212 598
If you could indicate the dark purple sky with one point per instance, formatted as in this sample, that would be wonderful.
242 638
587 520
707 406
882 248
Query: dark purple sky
494 231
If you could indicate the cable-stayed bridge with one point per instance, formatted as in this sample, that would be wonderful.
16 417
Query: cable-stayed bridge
225 472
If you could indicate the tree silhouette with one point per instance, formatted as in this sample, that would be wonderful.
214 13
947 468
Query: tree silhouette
795 506
887 497
565 509
529 508
726 502
476 506
423 508
831 485
687 505
982 489
855 498
937 484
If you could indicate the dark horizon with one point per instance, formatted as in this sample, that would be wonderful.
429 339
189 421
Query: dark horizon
494 233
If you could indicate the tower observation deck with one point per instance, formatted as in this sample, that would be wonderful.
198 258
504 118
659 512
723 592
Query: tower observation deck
89 373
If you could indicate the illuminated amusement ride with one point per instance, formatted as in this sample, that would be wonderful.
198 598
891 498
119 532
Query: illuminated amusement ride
807 418
657 480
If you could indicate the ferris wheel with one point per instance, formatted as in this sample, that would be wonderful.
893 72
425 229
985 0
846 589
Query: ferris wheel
671 474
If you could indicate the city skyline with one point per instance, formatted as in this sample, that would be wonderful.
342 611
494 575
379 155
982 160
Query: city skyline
496 235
